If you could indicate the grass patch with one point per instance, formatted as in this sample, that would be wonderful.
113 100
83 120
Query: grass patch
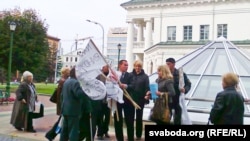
41 88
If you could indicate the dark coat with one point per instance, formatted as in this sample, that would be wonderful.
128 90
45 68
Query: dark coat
187 86
140 83
127 79
20 110
58 96
71 98
228 107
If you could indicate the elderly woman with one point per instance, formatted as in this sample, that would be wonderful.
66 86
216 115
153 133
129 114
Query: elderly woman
64 75
229 104
24 105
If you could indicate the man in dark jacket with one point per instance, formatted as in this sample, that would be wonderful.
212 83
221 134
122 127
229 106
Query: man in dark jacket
176 105
127 106
71 97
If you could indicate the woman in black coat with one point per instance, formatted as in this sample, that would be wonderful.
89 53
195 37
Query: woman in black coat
140 83
229 104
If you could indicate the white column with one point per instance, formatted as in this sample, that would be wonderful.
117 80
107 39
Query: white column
139 56
130 45
140 32
148 36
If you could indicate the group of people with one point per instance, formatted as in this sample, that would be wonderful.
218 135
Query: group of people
84 118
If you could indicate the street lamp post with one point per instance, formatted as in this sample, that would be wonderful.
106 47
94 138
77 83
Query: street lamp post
102 33
119 51
12 29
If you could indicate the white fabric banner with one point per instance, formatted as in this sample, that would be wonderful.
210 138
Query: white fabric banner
88 68
185 120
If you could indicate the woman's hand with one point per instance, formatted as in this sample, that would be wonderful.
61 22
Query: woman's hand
147 96
158 93
24 101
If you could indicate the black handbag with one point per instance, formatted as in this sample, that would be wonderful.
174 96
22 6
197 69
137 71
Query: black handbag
40 114
51 134
53 97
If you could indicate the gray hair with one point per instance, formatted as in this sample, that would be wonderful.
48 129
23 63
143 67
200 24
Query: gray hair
26 74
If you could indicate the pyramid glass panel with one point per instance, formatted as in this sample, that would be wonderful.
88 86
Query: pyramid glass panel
241 63
207 64
198 63
219 64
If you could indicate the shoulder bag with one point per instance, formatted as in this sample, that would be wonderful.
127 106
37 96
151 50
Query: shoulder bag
160 111
53 97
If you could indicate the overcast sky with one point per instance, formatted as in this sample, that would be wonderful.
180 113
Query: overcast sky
67 18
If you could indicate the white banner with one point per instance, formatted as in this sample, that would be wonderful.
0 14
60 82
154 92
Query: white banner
185 120
88 68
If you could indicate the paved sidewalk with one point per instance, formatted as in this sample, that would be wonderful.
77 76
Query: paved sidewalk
41 125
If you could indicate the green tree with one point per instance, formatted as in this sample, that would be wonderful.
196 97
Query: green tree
30 46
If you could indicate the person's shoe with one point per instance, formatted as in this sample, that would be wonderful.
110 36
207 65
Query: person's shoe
107 135
32 131
19 128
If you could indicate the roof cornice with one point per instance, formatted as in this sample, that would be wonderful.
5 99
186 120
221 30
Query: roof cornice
167 3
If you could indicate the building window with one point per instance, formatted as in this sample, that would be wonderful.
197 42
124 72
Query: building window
222 30
204 32
71 59
187 33
171 33
76 59
67 59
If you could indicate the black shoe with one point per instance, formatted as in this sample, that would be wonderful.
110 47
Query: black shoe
19 128
32 131
107 135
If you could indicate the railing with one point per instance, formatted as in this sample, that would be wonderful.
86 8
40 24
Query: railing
247 101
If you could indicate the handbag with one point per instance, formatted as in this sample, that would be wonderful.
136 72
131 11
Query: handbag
160 112
39 110
51 134
53 97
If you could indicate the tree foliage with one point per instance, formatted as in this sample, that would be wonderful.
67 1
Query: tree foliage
30 45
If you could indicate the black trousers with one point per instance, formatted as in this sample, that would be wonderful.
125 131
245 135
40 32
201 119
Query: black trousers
103 124
129 116
177 113
30 121
70 128
84 126
139 125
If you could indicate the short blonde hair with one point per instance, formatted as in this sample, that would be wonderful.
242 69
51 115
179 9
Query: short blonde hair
26 74
138 63
230 79
65 71
166 73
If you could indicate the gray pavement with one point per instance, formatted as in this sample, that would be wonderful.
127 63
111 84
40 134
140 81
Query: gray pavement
41 125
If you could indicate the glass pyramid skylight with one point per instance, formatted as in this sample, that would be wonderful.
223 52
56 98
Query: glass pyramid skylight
204 67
